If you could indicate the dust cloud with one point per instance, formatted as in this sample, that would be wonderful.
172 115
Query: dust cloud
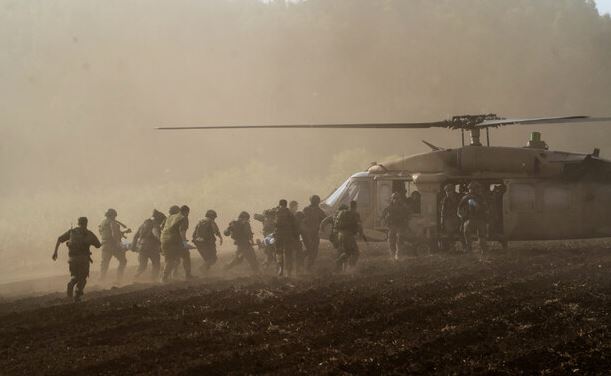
83 84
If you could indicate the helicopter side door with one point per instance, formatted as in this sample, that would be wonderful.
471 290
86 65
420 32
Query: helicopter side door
384 189
541 210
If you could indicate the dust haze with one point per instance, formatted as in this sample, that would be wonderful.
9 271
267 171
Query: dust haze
83 84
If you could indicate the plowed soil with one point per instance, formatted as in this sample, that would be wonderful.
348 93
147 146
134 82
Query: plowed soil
527 310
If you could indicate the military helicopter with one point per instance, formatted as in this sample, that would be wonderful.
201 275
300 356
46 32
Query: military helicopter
547 194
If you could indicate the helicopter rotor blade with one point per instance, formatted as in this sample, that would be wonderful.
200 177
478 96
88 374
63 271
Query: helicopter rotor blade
543 120
436 124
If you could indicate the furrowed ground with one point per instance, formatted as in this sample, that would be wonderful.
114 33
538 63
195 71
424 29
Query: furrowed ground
527 310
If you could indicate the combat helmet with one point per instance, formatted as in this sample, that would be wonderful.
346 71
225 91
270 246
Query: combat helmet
174 209
211 214
244 215
158 215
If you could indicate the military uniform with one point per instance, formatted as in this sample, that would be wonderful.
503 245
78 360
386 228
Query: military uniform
396 217
285 233
204 238
298 248
268 220
242 235
450 222
313 216
79 242
473 210
172 245
111 236
148 245
348 226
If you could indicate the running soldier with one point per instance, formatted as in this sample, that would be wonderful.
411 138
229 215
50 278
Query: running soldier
285 233
473 211
268 220
348 225
111 235
146 242
298 250
242 235
204 238
450 222
396 217
79 240
313 216
173 242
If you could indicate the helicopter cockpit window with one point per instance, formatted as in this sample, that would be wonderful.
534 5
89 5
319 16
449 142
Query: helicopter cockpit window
362 196
522 197
359 192
337 194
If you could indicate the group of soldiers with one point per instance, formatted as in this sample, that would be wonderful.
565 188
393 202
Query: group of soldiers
291 242
471 214
291 237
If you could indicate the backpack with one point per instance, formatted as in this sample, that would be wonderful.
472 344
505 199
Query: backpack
345 221
234 230
204 232
78 239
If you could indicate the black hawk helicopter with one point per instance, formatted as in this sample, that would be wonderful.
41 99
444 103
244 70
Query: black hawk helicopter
548 195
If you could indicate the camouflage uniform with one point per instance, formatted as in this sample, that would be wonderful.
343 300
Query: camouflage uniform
348 226
285 233
396 217
172 243
450 222
204 238
242 235
148 245
268 219
313 216
298 248
111 236
473 210
79 241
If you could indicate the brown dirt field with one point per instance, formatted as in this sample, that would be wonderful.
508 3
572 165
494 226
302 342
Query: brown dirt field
524 311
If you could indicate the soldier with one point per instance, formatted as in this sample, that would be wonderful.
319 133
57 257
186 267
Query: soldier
79 240
396 217
185 255
450 222
204 238
348 225
146 242
313 216
173 242
330 220
473 211
111 234
285 232
414 202
268 219
298 250
242 235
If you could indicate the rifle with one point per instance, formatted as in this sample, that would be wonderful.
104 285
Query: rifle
128 231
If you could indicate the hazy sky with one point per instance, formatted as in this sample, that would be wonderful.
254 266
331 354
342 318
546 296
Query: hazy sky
604 6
